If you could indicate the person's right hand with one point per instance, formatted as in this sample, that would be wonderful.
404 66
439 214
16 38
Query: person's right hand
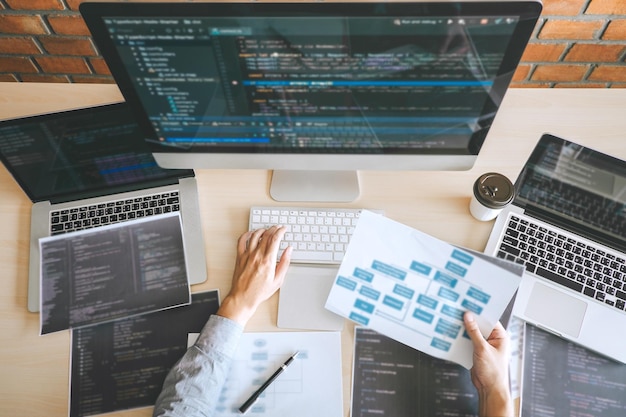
490 370
257 275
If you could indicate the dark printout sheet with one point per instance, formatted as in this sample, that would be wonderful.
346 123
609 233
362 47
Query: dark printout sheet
392 379
122 364
561 378
122 270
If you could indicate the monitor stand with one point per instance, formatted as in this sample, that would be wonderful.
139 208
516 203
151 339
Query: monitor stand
314 186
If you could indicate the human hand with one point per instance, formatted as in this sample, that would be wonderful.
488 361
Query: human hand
257 276
490 370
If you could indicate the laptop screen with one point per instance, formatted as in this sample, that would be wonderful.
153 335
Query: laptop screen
78 152
585 187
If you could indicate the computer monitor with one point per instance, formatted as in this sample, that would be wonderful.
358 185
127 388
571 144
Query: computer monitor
314 91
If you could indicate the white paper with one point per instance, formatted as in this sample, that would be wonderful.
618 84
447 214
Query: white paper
309 387
414 288
516 334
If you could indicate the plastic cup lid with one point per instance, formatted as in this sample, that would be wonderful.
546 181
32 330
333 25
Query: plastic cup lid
494 190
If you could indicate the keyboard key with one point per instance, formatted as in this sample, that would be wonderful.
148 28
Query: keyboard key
510 249
304 255
559 279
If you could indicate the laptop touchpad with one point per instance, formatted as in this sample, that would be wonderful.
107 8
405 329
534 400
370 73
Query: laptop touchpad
556 310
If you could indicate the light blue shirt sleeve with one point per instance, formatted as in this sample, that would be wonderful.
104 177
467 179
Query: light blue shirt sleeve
192 387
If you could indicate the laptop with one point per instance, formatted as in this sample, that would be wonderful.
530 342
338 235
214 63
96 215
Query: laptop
567 226
90 167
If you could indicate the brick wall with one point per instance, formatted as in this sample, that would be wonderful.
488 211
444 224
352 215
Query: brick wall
577 43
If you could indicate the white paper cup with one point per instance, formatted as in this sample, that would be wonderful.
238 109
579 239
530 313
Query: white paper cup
492 192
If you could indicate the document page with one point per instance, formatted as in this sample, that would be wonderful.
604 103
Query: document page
561 378
415 288
392 379
121 365
111 272
309 387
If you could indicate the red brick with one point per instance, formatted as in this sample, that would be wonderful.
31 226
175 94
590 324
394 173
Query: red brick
615 31
73 4
606 7
22 25
579 85
563 8
610 73
44 78
63 65
7 78
618 85
68 25
541 52
17 64
35 4
559 72
93 80
521 73
100 66
18 45
594 53
530 85
570 29
57 45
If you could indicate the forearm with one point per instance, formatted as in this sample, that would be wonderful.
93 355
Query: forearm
236 309
495 403
193 385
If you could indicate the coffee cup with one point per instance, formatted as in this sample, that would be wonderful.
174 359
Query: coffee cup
492 192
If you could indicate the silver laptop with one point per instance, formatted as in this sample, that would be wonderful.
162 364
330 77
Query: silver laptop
567 225
90 167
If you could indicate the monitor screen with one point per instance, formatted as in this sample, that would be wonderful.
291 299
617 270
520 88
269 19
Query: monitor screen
319 86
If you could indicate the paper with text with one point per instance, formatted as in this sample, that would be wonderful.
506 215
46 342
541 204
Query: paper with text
112 272
415 288
310 387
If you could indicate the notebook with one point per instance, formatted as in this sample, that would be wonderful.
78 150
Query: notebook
89 167
567 225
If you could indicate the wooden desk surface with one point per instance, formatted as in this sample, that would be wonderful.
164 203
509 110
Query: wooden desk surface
35 378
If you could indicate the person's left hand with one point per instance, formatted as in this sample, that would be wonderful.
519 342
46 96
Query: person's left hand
490 370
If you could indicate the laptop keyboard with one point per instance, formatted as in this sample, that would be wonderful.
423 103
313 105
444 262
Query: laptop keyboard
317 235
94 215
565 260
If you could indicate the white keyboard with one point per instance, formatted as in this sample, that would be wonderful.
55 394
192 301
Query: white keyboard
317 235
